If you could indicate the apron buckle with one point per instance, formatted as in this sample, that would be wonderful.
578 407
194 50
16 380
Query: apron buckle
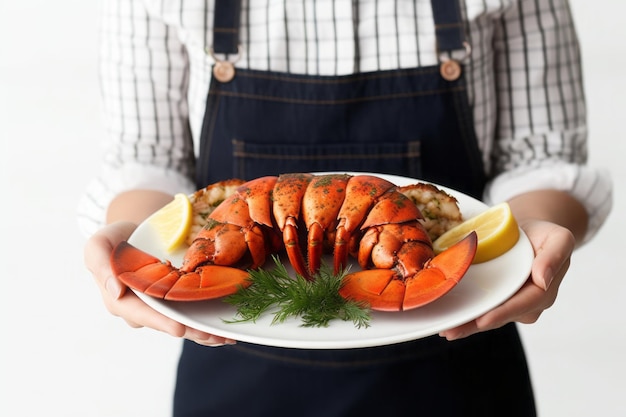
224 69
450 69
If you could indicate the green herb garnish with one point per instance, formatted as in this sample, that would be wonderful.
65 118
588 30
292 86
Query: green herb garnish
316 302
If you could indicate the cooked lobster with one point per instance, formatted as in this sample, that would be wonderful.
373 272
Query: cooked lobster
363 216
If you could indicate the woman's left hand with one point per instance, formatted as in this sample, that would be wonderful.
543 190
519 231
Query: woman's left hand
553 246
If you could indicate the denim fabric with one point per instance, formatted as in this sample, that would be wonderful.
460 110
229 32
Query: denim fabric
484 375
404 122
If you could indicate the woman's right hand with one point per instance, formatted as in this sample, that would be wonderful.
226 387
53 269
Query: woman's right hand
126 304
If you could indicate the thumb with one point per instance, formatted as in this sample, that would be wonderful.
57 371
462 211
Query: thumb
552 254
97 255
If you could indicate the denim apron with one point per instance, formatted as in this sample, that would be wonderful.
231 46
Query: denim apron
410 122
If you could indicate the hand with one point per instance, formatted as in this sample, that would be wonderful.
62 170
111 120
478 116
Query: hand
553 246
126 304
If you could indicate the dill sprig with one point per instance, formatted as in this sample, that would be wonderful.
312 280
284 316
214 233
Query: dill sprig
316 302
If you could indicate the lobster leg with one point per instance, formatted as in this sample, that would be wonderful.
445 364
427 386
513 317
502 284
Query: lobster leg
292 246
321 203
362 192
384 290
287 195
241 224
315 246
147 274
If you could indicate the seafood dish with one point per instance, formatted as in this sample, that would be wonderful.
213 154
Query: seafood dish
388 230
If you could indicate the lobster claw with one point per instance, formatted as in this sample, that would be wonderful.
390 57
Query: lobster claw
147 274
383 290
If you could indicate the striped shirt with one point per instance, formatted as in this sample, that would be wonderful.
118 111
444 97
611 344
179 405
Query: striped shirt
524 77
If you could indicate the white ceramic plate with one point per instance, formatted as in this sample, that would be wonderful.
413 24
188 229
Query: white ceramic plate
484 287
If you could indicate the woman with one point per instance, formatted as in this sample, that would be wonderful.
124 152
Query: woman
484 98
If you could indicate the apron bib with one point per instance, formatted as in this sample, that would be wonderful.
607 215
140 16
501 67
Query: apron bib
410 122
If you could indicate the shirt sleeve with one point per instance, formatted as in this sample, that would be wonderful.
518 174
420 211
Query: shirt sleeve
541 136
144 82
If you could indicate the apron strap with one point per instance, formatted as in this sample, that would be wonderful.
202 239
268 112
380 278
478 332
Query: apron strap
449 31
448 25
446 14
226 26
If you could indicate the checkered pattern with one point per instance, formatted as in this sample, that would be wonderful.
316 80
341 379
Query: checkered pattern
524 80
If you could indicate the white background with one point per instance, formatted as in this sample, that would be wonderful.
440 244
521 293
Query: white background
63 354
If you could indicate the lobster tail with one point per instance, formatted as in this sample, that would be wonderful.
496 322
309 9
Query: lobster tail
390 290
147 274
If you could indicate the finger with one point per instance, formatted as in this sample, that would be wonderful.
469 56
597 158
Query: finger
460 332
497 317
139 314
526 306
214 341
528 299
206 339
127 304
552 252
521 304
553 249
97 253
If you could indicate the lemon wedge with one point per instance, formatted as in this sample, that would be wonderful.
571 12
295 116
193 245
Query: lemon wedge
496 229
172 222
